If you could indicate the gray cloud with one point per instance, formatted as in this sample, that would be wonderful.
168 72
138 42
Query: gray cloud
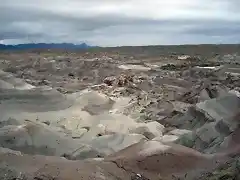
115 22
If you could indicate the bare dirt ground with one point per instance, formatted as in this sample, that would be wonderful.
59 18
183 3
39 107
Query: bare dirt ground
157 112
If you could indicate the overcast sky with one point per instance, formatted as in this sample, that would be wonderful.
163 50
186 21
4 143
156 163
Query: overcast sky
120 22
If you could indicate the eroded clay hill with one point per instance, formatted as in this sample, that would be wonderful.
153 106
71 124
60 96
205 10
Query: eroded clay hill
112 115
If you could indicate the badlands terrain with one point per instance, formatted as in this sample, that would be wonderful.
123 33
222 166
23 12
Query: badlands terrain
127 113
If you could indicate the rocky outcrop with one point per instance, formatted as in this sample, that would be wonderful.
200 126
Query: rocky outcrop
220 121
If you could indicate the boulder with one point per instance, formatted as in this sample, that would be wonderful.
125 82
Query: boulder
211 92
207 133
220 108
109 144
203 95
187 140
95 103
223 128
191 120
179 132
166 139
95 131
79 133
149 130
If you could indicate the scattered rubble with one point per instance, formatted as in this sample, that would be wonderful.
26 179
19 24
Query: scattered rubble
183 57
120 81
109 117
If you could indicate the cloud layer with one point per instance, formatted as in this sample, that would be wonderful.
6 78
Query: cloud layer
120 22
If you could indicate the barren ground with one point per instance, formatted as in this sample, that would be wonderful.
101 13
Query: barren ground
157 112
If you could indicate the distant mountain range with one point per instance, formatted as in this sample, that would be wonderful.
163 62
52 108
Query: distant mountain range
44 46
